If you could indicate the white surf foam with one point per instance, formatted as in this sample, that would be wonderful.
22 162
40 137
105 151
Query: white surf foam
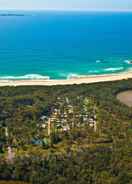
98 61
73 75
114 69
26 77
93 71
128 62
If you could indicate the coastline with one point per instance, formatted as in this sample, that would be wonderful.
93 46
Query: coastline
71 81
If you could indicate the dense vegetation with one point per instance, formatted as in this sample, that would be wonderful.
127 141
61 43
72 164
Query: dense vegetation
12 182
79 134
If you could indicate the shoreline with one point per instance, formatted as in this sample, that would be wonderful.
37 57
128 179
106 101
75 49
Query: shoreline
74 80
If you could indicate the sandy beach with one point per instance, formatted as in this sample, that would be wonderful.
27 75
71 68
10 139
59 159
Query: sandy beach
71 81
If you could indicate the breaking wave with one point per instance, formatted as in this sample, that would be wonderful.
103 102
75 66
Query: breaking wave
63 75
96 72
25 77
114 69
73 75
128 62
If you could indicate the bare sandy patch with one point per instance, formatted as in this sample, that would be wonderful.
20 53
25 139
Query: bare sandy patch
125 97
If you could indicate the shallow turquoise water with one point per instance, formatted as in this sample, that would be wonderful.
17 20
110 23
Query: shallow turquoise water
62 44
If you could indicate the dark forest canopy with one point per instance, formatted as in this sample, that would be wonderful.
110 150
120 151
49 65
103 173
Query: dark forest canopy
66 134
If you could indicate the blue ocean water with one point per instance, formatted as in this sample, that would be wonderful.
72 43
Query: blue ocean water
63 44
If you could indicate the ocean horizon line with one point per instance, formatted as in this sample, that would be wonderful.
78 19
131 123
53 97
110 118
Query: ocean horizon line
70 10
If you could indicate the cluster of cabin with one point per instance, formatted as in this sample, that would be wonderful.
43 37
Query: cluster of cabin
67 115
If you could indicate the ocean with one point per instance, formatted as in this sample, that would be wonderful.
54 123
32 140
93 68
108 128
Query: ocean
59 45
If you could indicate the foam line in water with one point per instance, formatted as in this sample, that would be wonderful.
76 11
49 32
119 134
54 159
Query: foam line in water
114 69
98 61
128 62
73 75
94 72
25 77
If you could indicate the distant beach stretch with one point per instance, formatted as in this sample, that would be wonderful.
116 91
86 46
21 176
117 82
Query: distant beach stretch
71 81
